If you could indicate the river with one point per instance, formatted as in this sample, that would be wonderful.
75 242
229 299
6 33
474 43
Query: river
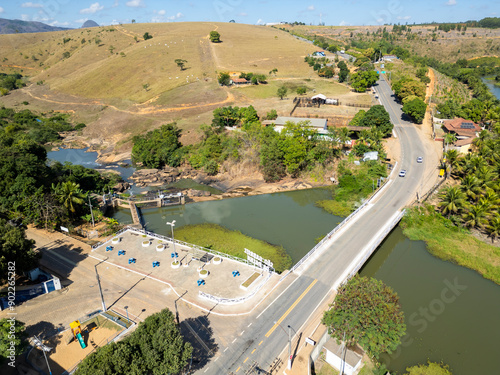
452 313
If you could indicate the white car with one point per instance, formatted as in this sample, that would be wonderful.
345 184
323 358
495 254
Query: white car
402 173
420 159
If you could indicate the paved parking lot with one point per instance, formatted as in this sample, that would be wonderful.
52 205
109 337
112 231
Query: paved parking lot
221 281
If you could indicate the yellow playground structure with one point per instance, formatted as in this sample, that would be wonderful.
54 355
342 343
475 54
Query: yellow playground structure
77 332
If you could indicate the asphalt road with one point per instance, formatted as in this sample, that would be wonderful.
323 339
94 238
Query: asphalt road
263 341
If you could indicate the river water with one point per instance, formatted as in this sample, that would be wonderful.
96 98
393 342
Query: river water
452 313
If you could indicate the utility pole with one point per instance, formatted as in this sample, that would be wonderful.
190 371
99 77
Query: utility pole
91 213
100 289
172 225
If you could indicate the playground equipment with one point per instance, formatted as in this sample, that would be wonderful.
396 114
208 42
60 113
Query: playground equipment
77 332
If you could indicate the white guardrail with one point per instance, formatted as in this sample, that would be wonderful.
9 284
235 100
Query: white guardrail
338 227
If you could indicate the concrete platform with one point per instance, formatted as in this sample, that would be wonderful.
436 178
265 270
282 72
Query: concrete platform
220 288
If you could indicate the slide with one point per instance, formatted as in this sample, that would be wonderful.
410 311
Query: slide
80 340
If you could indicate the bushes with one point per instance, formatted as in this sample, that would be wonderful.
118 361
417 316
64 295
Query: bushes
416 109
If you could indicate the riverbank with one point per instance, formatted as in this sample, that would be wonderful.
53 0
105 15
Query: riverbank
451 243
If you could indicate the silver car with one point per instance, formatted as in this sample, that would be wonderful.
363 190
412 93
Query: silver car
420 159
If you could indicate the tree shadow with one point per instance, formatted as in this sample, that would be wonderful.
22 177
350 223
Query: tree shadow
46 330
199 334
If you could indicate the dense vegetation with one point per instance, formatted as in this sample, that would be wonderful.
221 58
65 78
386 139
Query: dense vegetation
354 184
230 242
30 188
9 82
428 369
19 337
366 312
378 120
155 347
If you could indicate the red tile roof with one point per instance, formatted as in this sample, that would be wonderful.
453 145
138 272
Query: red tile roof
462 127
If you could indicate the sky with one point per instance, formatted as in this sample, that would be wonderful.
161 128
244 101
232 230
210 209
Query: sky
71 13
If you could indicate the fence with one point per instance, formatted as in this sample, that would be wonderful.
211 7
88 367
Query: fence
356 105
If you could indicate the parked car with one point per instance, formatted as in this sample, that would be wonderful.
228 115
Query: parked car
420 159
402 173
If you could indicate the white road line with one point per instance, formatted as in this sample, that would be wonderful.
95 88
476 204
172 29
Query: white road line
216 359
242 332
268 306
249 325
234 340
206 369
226 349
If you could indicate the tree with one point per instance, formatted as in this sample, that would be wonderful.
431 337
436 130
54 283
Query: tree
301 90
378 117
493 228
158 147
180 63
416 109
272 115
145 86
15 247
69 195
282 91
8 336
155 347
429 369
356 120
452 200
273 72
214 37
133 21
147 36
367 312
224 79
362 80
344 71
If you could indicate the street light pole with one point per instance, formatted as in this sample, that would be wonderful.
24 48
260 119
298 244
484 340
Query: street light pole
91 213
172 225
41 346
289 344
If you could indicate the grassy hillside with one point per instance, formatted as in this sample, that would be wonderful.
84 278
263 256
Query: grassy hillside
115 61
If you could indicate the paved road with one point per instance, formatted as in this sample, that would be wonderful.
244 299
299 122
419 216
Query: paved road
263 340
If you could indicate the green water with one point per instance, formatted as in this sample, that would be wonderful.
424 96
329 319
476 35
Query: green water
460 330
452 313
289 219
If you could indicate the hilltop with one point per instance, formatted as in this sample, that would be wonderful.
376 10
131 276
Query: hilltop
18 26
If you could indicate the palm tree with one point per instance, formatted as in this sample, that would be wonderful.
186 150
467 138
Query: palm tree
470 186
474 217
449 138
69 194
452 159
452 200
493 228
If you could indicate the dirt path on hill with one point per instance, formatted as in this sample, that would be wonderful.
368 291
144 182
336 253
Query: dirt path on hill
126 32
20 67
151 110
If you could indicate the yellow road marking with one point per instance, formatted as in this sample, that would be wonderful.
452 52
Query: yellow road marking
246 359
238 369
253 351
261 342
291 308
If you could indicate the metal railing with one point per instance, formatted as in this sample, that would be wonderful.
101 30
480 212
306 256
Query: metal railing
124 229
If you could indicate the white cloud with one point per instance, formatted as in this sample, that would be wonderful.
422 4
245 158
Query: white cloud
81 21
343 23
60 24
1 10
135 4
311 7
162 12
92 9
25 17
451 2
176 17
242 14
404 17
260 21
31 5
115 22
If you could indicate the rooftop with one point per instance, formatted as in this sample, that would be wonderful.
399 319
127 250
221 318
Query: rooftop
462 127
313 122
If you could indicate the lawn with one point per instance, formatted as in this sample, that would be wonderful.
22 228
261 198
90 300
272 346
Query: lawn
448 242
231 242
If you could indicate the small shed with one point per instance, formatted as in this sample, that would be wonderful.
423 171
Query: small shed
320 98
240 81
340 357
372 155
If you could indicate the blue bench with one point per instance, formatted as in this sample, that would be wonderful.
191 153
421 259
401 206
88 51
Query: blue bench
174 255
156 264
109 248
236 273
201 282
121 252
131 260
